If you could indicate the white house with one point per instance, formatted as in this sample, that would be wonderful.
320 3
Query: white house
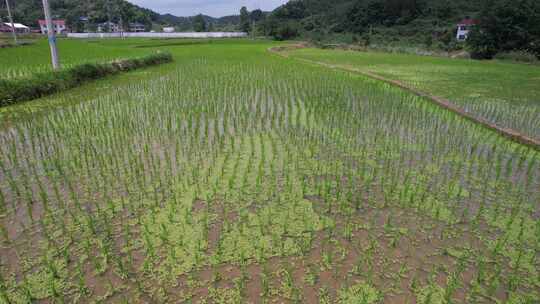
59 26
19 27
168 29
108 27
137 27
464 27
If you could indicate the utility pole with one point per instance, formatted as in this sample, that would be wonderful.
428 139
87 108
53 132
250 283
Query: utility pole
51 34
118 10
13 30
121 27
109 15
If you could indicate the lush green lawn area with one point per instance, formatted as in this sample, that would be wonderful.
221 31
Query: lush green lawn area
506 93
234 175
25 60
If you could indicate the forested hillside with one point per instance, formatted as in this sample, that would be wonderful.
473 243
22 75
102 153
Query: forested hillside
75 12
409 18
504 24
227 23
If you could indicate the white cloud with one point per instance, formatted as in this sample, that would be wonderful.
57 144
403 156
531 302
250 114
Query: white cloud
216 8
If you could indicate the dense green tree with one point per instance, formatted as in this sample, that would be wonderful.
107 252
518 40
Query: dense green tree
294 9
199 24
287 31
364 14
245 23
400 11
443 9
506 25
257 15
269 26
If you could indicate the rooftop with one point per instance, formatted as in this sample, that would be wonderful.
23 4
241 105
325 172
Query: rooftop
468 21
57 22
17 25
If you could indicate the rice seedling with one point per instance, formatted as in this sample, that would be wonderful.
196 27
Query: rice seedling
477 87
238 176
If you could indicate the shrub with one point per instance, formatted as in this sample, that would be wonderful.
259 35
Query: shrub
481 45
9 44
89 71
287 31
519 56
506 26
39 85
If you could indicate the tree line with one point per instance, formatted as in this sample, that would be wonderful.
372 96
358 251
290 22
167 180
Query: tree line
80 15
503 25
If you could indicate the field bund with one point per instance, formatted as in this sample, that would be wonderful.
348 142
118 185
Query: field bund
159 35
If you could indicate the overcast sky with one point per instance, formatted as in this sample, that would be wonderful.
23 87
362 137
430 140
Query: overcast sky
215 8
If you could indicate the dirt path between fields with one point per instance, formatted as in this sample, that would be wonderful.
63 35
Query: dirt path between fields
440 101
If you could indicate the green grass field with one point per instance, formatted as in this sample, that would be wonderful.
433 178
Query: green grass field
505 93
234 175
26 60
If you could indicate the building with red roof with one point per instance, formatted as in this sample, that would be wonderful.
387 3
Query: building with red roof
464 27
59 26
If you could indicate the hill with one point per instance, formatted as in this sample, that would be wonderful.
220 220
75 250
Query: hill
229 23
502 25
83 14
78 12
415 21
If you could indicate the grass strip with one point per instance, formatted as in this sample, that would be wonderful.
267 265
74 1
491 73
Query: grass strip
17 90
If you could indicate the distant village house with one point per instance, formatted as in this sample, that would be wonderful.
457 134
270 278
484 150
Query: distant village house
59 26
168 29
137 27
19 28
113 27
464 27
108 27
